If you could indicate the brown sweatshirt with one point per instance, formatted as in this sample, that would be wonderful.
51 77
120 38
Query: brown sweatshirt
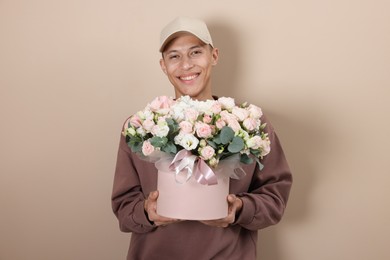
264 194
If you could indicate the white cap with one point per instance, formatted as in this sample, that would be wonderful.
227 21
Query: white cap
185 24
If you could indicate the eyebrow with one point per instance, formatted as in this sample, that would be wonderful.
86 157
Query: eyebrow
191 48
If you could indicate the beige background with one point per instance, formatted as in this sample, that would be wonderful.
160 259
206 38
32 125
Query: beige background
72 71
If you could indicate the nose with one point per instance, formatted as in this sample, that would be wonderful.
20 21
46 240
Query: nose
186 63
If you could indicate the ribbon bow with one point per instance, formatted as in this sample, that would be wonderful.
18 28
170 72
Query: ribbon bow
185 165
194 166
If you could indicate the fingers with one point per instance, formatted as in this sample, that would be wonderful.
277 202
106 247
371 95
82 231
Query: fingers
153 195
234 206
231 198
150 208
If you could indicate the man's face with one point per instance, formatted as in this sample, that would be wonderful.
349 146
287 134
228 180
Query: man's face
188 62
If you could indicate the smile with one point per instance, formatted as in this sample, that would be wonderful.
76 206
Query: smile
190 77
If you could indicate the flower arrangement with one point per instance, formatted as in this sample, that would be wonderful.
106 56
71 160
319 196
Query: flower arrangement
211 130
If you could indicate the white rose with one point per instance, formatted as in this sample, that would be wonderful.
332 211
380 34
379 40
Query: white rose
254 111
254 142
251 124
226 102
141 131
240 113
265 147
205 106
160 130
177 113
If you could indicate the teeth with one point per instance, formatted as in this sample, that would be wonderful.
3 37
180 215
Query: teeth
189 77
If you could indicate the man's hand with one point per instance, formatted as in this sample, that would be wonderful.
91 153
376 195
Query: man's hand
150 208
235 206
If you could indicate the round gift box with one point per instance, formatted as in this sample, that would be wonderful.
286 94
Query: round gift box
190 200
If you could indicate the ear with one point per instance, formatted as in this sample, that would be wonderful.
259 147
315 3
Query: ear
214 56
162 65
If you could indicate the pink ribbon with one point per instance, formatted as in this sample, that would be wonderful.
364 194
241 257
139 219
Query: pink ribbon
204 174
194 166
185 165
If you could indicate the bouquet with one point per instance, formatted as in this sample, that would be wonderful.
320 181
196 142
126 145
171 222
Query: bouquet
208 131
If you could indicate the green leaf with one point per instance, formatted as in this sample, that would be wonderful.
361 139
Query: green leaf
217 139
136 147
236 145
173 126
135 143
244 158
255 152
170 121
226 135
158 141
261 166
212 144
170 147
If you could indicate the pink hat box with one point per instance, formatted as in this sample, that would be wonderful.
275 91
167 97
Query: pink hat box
190 200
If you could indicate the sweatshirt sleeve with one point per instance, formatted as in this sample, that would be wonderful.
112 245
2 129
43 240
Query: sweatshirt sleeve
265 202
127 196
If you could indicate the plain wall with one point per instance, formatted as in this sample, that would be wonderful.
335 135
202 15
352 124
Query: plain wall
72 71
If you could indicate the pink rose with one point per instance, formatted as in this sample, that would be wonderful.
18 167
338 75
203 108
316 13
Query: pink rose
216 108
207 152
161 104
250 124
207 119
147 148
185 127
191 115
135 121
203 130
148 125
220 123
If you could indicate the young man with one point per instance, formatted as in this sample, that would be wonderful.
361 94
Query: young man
256 201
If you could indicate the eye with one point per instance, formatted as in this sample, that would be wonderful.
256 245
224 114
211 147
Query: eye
174 56
196 52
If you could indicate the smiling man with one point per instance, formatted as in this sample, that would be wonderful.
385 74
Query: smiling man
255 201
188 62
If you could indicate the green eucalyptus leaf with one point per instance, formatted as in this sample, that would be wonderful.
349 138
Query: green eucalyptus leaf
217 139
212 144
244 158
236 145
255 152
226 135
135 147
261 166
169 121
158 141
169 148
